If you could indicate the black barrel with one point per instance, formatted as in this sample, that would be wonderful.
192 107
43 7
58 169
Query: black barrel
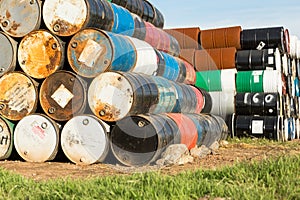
255 59
263 38
257 104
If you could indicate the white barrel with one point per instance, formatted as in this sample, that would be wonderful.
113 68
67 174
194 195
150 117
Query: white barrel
36 138
19 18
284 64
146 58
84 140
298 49
228 80
272 81
223 103
6 138
293 46
278 60
8 53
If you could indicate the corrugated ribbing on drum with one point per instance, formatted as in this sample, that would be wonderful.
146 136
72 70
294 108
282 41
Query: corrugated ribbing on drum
36 138
123 21
212 59
257 126
148 137
249 81
222 103
6 138
293 46
63 95
255 59
40 54
257 104
18 97
221 37
187 128
172 69
84 140
149 12
207 101
228 80
263 38
272 81
92 51
18 18
209 80
68 17
139 28
146 59
8 53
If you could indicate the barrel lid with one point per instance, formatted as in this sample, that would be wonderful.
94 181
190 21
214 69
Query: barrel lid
63 95
84 140
36 138
90 52
110 96
8 55
65 17
18 18
40 54
6 141
18 96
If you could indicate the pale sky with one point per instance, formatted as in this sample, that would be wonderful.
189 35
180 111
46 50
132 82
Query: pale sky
208 14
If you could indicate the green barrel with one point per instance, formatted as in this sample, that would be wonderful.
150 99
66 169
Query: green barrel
209 80
249 81
6 138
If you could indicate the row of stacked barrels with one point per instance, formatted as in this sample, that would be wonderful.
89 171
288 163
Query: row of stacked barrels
252 76
89 79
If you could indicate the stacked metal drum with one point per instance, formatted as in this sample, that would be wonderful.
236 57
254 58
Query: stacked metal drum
252 77
90 77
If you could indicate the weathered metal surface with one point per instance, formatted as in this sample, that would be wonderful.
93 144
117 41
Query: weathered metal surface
8 53
18 18
18 96
84 140
123 21
6 138
41 54
63 95
36 138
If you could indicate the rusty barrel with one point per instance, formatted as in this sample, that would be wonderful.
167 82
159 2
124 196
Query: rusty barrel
264 38
18 18
6 138
212 59
65 18
84 139
188 38
36 138
221 37
63 95
19 95
41 53
148 136
92 51
8 53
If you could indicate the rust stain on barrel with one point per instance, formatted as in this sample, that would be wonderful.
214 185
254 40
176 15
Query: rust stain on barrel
111 113
66 28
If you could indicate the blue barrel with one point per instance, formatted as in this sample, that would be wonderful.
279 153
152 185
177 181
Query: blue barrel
172 69
123 21
297 89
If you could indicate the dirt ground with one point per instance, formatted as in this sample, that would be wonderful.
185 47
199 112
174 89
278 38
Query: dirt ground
226 155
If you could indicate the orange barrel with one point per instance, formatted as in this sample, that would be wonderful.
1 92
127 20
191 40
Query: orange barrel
93 51
8 53
221 58
18 97
263 38
84 140
188 55
36 138
223 103
221 38
63 95
6 138
140 139
18 18
65 18
40 54
187 128
211 128
161 40
188 38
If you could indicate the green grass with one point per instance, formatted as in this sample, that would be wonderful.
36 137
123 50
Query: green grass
270 179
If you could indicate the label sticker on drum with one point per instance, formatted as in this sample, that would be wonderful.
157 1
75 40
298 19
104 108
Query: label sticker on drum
90 53
62 96
68 12
271 60
257 127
